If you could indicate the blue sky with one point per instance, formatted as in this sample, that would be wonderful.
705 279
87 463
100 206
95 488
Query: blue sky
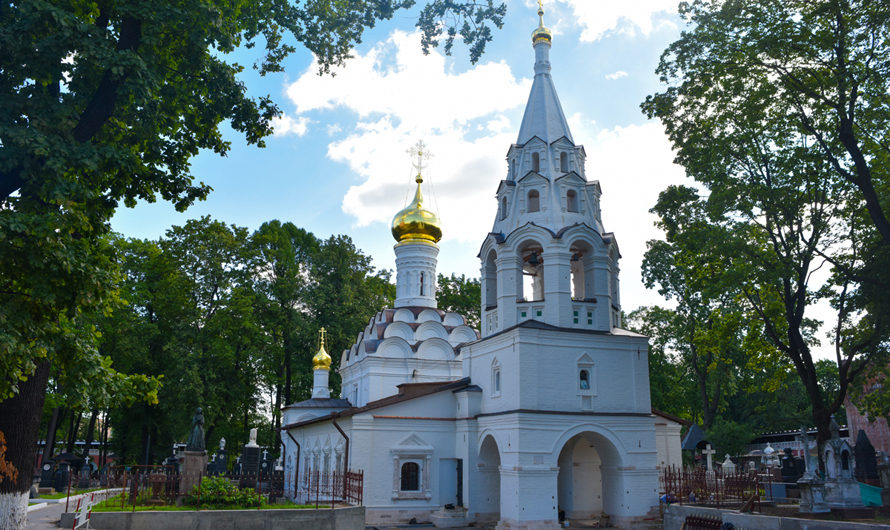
337 162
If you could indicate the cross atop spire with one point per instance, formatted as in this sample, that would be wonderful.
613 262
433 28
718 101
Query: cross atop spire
419 151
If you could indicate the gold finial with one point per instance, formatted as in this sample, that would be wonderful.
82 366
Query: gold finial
321 361
541 33
414 222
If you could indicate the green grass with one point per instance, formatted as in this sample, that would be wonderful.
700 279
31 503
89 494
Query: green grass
114 505
64 494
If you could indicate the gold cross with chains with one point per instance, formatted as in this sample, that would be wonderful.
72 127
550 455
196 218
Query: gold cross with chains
420 151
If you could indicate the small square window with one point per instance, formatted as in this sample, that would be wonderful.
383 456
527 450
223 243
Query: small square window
589 321
575 313
538 312
523 314
576 320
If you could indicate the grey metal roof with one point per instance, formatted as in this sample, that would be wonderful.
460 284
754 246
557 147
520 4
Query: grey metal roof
321 403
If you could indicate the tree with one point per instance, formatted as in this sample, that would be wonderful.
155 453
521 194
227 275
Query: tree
108 101
460 295
821 68
729 437
345 294
777 110
671 388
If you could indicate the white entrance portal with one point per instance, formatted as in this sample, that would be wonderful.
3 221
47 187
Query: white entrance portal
588 484
489 502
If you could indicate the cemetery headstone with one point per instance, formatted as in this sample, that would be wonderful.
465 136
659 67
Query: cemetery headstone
727 466
884 472
812 499
250 459
219 465
265 464
789 467
46 476
842 492
866 459
709 453
62 475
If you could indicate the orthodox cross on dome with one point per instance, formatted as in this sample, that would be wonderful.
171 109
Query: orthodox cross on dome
422 154
321 333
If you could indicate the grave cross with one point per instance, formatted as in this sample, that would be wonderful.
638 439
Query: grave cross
265 454
709 452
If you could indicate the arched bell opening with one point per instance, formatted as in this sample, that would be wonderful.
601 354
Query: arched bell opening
532 256
489 503
490 281
581 266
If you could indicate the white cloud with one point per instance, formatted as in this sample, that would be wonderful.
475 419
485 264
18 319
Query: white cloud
284 125
400 96
616 75
334 128
633 164
598 16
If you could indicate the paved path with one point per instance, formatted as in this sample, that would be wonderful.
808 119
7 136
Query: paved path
45 518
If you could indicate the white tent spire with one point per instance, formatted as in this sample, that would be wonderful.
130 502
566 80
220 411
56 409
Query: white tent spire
543 117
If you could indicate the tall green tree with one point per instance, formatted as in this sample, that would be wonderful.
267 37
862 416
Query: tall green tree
346 291
282 281
460 295
107 101
819 67
778 110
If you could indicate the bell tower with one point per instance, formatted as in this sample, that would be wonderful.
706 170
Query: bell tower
547 257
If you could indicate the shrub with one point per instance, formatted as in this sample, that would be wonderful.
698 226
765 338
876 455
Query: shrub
221 492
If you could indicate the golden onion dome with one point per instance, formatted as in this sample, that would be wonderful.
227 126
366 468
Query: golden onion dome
414 222
321 361
541 33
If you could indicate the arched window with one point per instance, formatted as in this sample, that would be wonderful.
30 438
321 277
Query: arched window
571 200
584 380
503 208
421 284
515 176
497 381
536 162
845 461
410 477
534 201
564 162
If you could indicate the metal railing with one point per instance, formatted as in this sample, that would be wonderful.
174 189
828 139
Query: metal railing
156 486
330 488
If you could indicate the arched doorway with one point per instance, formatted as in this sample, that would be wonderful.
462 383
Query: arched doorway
488 502
588 484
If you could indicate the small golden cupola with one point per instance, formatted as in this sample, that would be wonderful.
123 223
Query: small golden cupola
321 361
415 222
541 33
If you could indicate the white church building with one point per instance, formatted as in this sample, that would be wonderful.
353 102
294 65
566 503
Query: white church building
546 410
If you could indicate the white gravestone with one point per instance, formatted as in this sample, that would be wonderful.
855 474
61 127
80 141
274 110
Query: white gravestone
709 453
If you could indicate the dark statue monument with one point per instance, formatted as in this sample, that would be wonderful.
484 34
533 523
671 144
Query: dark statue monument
194 458
196 438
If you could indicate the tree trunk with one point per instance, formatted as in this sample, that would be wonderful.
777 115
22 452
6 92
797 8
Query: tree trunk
50 440
105 425
20 424
72 435
91 430
144 446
